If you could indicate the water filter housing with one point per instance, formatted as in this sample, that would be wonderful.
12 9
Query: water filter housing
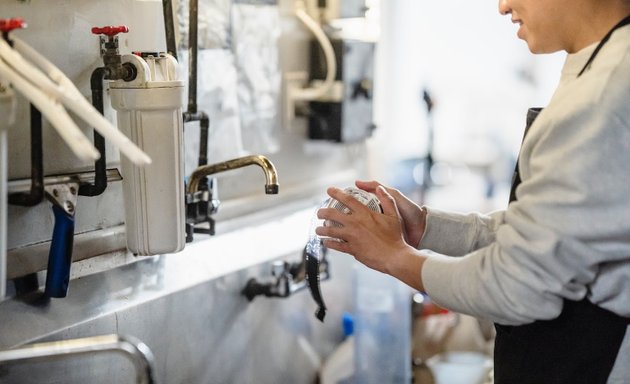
150 113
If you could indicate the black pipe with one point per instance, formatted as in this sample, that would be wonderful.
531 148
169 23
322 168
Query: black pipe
193 18
100 165
169 28
204 206
36 194
197 212
204 127
192 114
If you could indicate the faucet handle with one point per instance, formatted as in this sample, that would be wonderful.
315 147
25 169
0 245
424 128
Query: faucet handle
110 30
7 25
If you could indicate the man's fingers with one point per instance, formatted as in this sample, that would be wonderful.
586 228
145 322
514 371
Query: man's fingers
387 202
353 204
368 186
337 245
330 214
372 186
334 232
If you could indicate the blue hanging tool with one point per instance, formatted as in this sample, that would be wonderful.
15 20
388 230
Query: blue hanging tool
64 199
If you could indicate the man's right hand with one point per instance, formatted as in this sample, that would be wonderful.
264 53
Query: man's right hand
414 217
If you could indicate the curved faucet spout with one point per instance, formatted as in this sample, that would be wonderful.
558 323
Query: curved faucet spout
271 175
130 347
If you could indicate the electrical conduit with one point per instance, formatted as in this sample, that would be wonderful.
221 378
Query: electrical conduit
314 93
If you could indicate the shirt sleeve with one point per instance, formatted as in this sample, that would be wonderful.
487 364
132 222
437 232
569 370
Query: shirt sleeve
457 234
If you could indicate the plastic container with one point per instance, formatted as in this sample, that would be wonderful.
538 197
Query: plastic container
460 367
382 328
150 113
338 367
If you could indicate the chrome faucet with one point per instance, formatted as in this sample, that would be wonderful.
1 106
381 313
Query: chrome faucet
134 350
288 278
201 199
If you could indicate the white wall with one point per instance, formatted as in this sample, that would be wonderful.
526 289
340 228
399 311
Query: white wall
481 76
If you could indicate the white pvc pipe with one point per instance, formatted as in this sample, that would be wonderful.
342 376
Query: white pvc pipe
73 99
26 69
55 113
329 54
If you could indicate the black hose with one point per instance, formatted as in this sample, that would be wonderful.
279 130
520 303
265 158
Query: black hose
313 262
36 194
169 28
100 165
204 127
193 19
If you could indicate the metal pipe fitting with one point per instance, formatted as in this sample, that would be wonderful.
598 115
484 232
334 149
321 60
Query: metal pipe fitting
133 349
271 175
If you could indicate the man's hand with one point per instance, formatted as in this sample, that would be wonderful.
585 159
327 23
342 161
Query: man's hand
374 239
413 216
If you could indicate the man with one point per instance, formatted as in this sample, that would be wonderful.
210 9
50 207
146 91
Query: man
553 269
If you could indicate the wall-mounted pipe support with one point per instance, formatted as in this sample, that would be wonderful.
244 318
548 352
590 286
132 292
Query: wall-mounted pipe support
131 348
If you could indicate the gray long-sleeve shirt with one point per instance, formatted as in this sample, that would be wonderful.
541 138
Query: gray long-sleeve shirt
568 234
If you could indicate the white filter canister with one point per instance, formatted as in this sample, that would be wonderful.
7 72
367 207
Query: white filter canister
150 114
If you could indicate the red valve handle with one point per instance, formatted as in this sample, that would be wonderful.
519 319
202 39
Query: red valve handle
110 30
7 25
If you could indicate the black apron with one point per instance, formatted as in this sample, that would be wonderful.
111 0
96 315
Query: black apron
579 346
